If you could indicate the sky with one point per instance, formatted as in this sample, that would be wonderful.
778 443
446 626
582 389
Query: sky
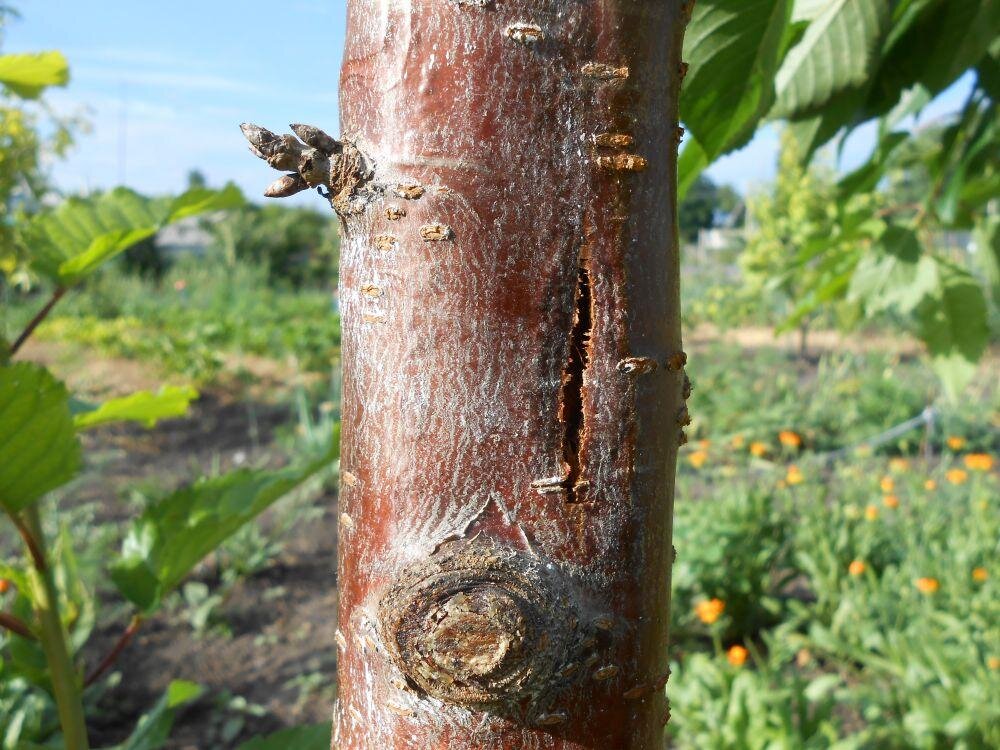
164 86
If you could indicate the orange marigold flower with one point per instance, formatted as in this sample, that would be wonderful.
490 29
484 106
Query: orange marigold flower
704 443
857 568
979 461
956 476
180 285
871 512
956 443
927 585
709 610
790 439
994 662
738 441
899 465
979 575
888 484
737 655
758 449
698 458
4 585
930 484
794 475
890 501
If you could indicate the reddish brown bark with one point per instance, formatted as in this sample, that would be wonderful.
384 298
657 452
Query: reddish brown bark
513 374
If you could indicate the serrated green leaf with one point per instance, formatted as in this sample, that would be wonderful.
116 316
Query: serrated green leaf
54 238
145 407
733 49
37 441
153 729
894 274
837 54
27 75
987 255
176 533
866 177
70 242
932 43
954 326
311 737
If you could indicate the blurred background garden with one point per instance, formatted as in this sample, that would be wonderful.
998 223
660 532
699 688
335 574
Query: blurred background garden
837 521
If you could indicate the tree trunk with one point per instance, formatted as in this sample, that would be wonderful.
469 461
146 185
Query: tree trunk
513 374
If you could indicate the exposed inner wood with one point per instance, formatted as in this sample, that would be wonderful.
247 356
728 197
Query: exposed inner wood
571 411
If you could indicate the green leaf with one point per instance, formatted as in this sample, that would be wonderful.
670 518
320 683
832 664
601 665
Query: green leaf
153 729
837 54
866 177
821 687
53 238
176 533
692 162
103 248
27 75
70 242
932 43
988 71
969 156
311 737
894 274
987 256
37 440
954 326
77 606
733 49
201 200
144 406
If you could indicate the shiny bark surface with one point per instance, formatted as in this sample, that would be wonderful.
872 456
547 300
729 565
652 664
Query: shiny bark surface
513 374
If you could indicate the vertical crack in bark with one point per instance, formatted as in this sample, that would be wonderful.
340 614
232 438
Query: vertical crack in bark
571 409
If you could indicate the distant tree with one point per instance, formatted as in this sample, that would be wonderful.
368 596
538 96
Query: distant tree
29 135
196 179
730 203
786 217
704 206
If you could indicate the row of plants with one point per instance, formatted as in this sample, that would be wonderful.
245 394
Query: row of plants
854 606
201 312
743 402
831 591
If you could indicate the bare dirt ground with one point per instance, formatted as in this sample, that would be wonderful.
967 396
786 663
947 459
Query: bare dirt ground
817 342
273 645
